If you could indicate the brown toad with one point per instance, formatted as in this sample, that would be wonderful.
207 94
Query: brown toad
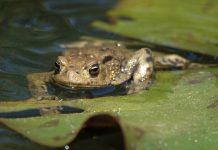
89 66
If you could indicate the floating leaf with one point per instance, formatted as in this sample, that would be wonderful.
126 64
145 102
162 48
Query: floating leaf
178 111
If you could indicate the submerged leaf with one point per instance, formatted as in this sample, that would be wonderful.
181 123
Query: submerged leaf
186 25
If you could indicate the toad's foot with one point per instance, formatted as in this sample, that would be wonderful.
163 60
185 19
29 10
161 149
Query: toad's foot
38 88
172 61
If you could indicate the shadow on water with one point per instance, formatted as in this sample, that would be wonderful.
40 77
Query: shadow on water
37 112
99 132
31 32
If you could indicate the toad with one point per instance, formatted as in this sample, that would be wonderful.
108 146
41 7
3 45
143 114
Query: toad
85 67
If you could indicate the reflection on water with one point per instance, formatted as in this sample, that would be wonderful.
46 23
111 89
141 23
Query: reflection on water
31 32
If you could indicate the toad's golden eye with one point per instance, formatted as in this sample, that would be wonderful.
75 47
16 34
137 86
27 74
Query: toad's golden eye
57 67
94 70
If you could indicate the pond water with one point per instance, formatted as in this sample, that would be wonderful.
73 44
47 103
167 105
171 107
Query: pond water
31 32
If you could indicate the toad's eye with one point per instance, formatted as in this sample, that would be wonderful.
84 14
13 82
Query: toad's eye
94 70
57 68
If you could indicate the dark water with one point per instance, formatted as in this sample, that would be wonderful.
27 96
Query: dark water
30 34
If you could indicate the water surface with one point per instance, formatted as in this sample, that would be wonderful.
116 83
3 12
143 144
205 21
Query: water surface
31 32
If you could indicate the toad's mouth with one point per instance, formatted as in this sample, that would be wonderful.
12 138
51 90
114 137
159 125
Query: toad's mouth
71 86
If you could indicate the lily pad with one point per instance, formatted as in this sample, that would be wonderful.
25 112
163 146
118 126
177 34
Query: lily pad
179 111
186 25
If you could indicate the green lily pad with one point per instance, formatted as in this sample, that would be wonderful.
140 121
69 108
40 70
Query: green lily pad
179 111
186 25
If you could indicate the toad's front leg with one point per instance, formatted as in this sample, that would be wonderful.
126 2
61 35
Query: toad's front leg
139 69
38 87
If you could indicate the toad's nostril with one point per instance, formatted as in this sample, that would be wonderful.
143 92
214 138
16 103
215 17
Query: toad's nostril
62 60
